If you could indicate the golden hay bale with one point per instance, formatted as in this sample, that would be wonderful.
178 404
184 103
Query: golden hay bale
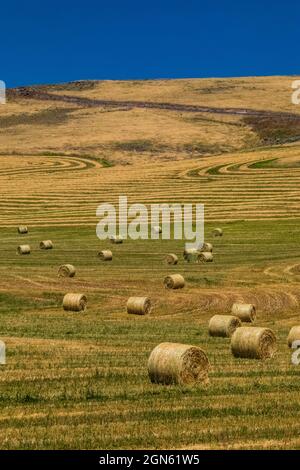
46 245
245 312
116 239
138 305
66 270
105 255
74 302
175 363
223 325
190 255
174 281
217 232
206 247
205 257
171 258
22 229
24 250
294 335
253 342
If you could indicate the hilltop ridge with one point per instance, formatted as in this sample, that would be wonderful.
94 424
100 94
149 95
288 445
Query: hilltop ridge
150 120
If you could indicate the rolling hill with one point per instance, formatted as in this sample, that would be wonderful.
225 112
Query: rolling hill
80 380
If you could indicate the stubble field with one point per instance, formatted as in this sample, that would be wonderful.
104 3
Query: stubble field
79 380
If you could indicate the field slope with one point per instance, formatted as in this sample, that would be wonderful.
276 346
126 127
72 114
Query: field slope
80 380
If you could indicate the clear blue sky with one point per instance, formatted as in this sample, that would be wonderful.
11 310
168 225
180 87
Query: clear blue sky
56 41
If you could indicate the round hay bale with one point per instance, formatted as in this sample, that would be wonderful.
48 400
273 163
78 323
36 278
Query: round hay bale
253 342
24 249
223 325
22 229
138 305
205 257
175 363
105 255
46 245
171 258
294 335
116 239
206 247
66 270
74 302
217 232
174 281
245 312
190 255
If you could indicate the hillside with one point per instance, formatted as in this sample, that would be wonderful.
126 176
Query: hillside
79 379
189 145
245 113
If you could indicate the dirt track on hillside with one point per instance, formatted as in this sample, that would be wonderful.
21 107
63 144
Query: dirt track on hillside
32 93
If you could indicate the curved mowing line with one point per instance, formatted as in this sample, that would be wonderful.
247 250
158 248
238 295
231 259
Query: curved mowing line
243 168
232 190
51 165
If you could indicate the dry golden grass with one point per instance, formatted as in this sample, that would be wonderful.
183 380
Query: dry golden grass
121 136
265 93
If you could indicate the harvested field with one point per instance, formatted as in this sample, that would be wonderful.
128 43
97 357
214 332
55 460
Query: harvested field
67 370
231 187
80 380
